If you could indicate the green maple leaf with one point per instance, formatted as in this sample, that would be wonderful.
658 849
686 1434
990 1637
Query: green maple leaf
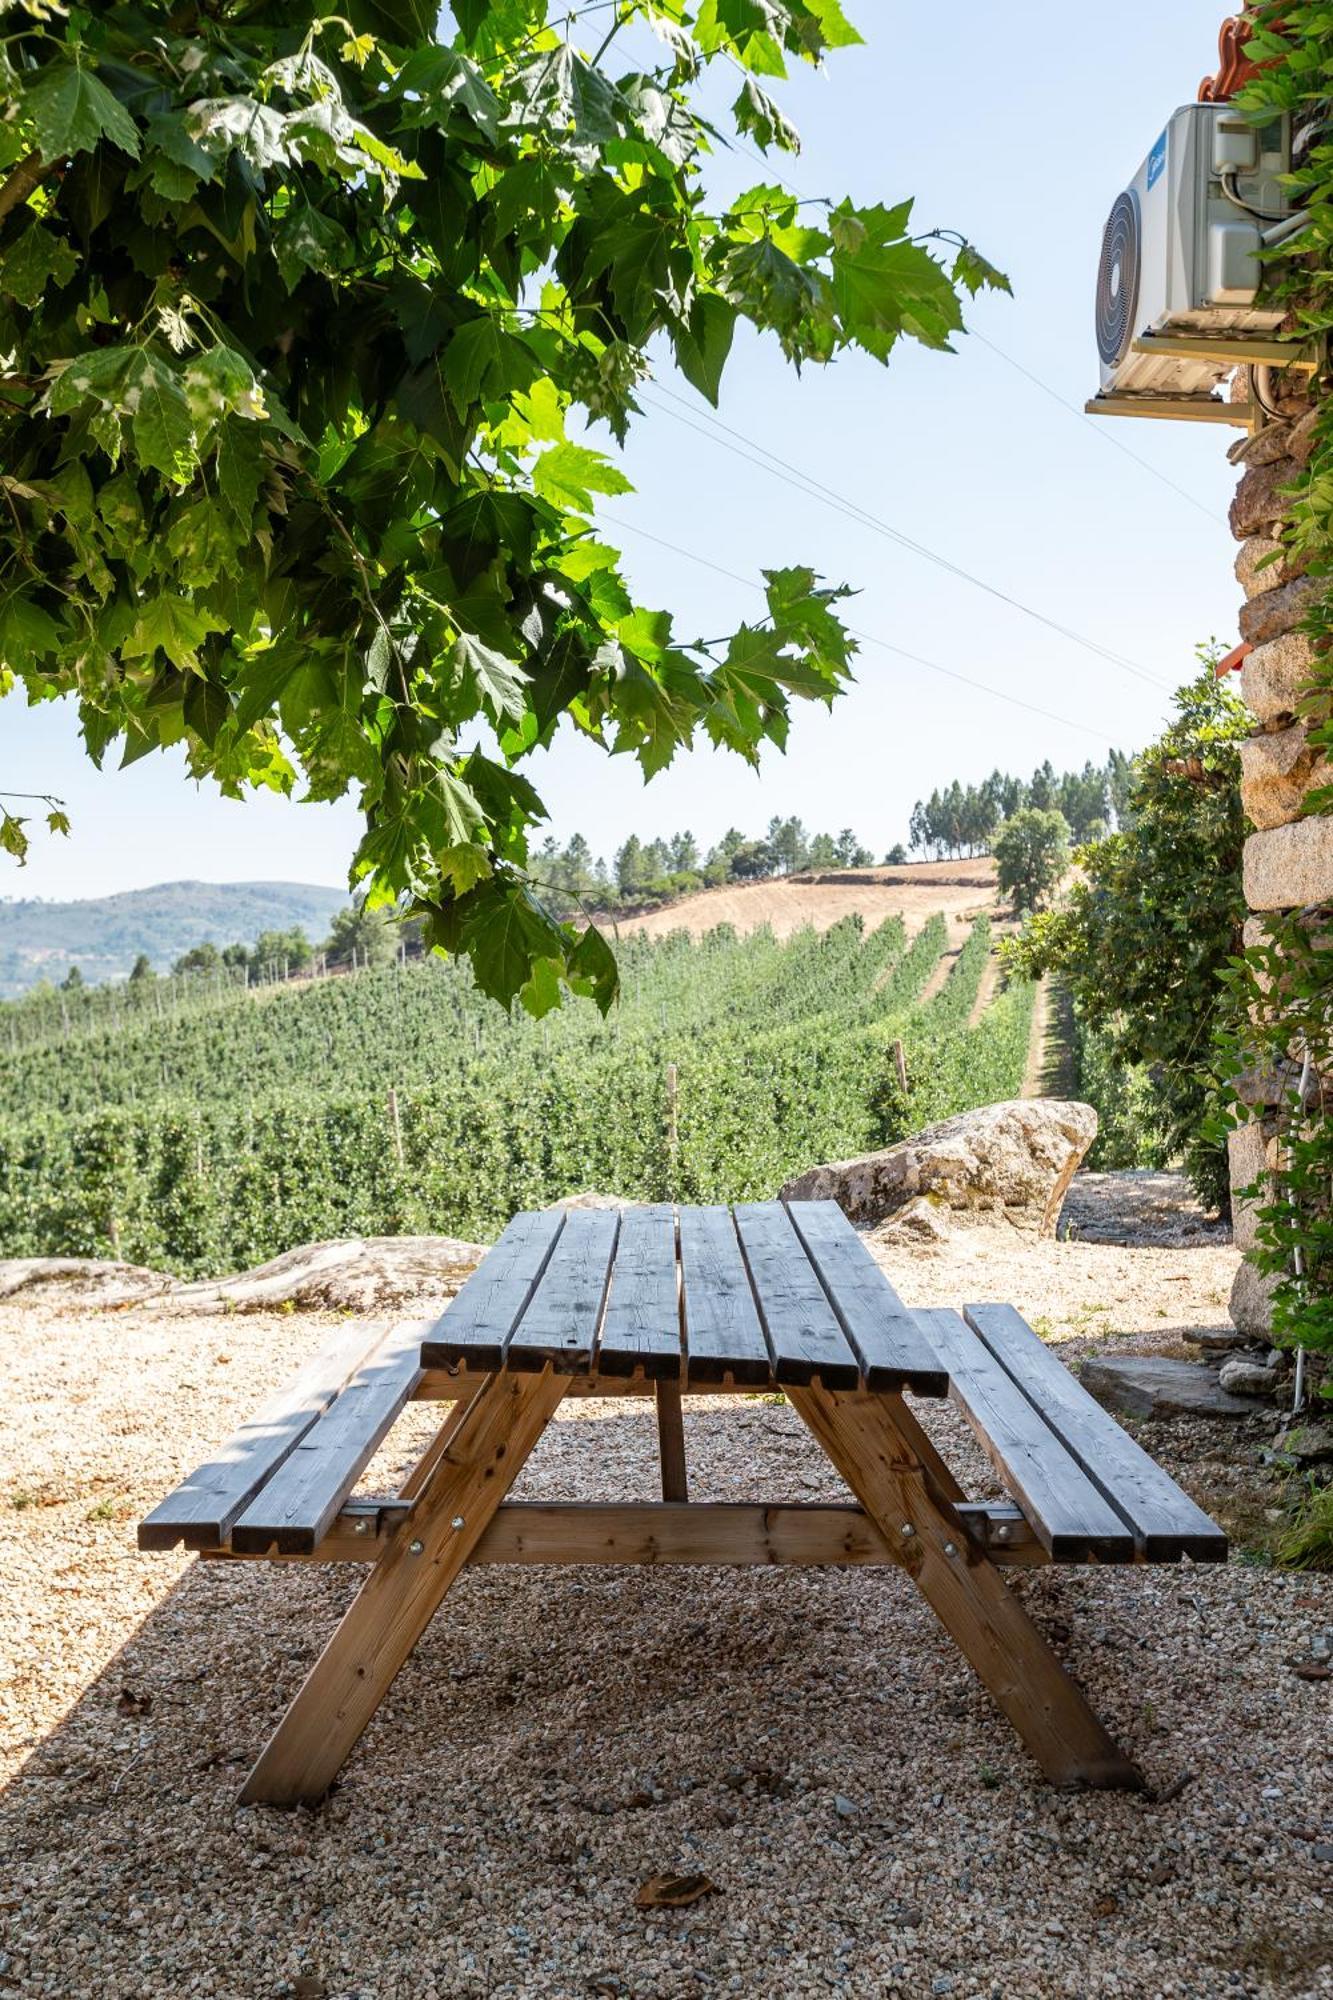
306 240
31 263
13 839
175 626
153 397
484 362
499 681
463 865
26 631
505 935
703 344
591 969
71 111
883 289
569 474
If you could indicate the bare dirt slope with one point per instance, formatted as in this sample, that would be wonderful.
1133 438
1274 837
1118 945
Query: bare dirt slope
958 889
809 1740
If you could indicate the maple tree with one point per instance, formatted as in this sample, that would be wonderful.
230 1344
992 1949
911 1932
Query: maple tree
297 314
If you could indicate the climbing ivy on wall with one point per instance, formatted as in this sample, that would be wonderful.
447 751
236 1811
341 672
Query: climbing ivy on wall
1283 987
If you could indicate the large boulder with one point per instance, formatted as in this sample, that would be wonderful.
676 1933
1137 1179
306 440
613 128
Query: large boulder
1006 1163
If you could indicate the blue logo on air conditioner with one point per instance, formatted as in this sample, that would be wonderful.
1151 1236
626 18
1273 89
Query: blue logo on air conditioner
1157 162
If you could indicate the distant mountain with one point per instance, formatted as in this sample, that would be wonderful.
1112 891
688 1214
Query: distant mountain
105 935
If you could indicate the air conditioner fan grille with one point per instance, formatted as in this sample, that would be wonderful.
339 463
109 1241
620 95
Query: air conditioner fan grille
1118 279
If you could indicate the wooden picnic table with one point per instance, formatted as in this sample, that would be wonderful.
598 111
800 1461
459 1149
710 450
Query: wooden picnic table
672 1302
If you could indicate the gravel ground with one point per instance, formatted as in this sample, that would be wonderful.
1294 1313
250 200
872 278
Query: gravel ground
806 1739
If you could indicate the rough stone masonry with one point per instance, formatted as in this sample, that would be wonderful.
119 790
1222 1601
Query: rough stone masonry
1289 857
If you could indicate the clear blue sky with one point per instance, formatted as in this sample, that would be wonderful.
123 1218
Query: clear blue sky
1017 125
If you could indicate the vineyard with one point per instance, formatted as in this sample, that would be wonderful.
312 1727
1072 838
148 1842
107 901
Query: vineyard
198 1127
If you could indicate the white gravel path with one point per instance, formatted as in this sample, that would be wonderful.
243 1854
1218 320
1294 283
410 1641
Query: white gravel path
807 1739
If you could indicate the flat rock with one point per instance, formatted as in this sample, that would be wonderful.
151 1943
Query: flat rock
1148 1385
1215 1339
345 1274
82 1280
1009 1162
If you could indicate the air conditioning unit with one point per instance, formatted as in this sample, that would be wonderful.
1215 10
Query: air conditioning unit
1178 287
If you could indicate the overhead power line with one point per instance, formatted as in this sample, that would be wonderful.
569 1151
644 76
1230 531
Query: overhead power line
768 461
1101 430
868 638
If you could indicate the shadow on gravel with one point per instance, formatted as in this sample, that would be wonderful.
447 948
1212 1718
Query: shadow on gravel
807 1740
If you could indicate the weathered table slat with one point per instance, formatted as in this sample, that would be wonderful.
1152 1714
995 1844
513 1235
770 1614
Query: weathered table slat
894 1354
561 1321
477 1325
642 1324
1071 1517
301 1501
802 1327
723 1336
1165 1522
201 1510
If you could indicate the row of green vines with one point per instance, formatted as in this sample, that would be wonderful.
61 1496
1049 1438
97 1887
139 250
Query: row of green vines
1284 985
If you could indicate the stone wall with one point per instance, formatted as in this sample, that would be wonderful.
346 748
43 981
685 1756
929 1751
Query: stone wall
1289 857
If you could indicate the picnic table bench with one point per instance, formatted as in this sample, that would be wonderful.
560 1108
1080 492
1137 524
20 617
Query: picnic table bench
671 1302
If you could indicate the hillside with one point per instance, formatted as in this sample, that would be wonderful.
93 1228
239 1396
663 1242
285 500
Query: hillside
200 1127
955 890
104 935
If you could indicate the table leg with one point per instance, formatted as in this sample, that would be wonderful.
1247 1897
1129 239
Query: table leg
671 1441
871 1441
459 1497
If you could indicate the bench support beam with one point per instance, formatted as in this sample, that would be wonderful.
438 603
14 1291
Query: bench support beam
660 1534
878 1447
460 1492
671 1441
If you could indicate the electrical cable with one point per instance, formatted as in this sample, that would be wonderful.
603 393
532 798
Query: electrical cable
792 475
869 638
1227 179
1098 430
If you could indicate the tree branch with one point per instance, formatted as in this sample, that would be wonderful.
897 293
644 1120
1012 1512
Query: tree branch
27 175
